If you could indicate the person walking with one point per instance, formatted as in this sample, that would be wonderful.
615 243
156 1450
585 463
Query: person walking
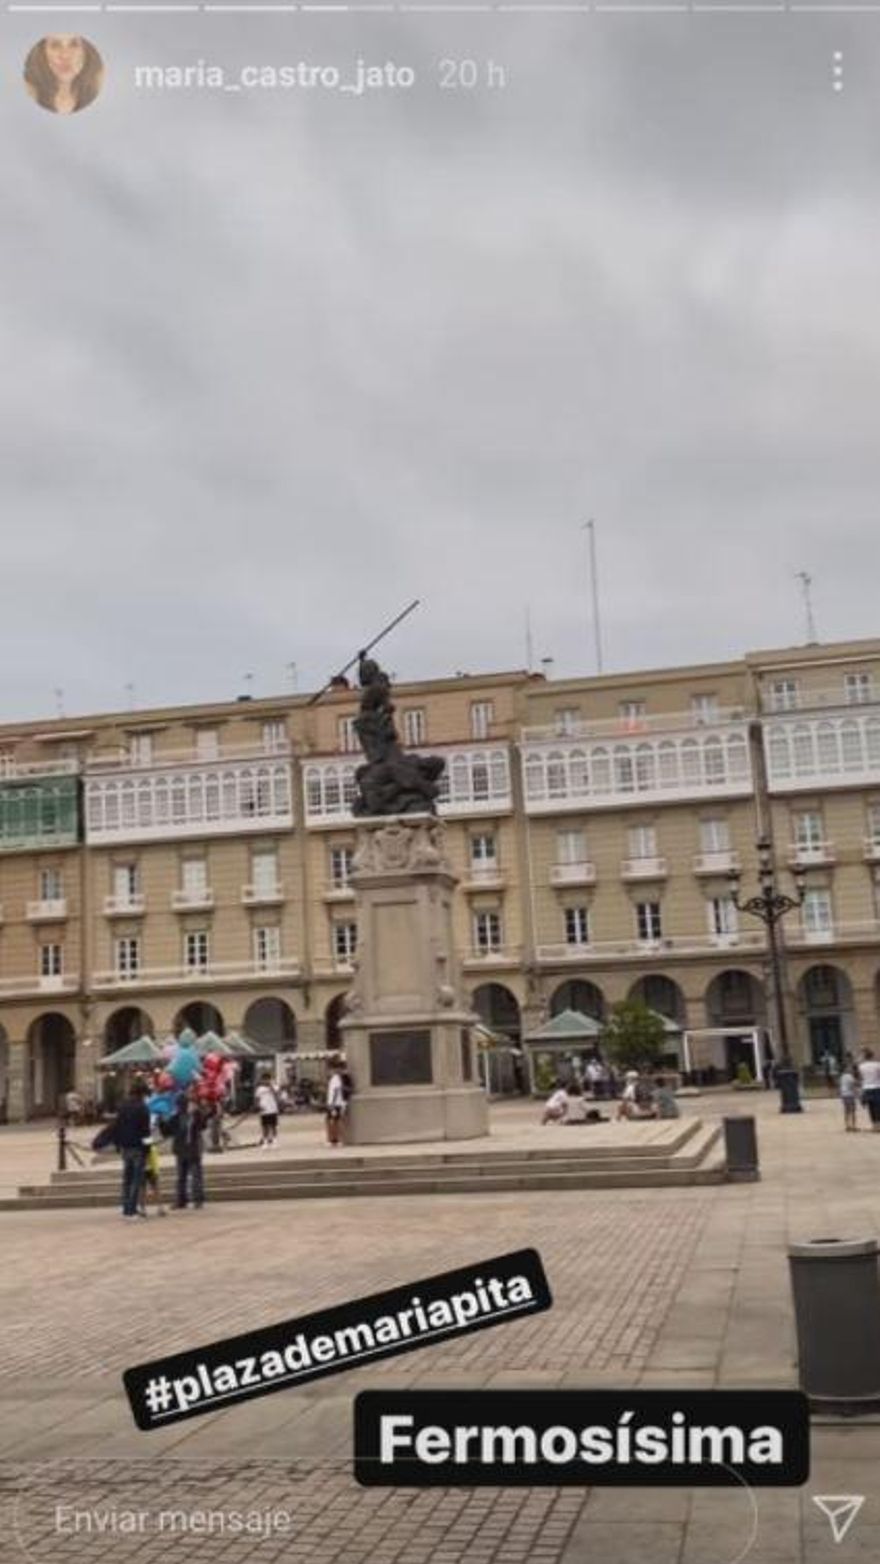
130 1134
336 1102
266 1099
187 1129
869 1079
849 1095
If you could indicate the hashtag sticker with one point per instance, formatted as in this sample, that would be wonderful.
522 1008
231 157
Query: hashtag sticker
278 1357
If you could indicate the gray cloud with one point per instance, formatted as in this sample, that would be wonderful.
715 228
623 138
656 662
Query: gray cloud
282 361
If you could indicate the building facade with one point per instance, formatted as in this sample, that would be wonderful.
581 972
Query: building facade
192 866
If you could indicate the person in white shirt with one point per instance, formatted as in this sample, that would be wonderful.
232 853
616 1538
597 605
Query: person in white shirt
849 1090
869 1077
575 1106
556 1107
336 1102
266 1099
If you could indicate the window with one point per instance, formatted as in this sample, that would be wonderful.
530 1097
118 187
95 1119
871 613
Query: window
566 720
274 736
487 931
817 912
264 871
126 882
577 926
344 941
207 743
483 851
194 872
631 712
714 836
808 831
783 695
414 728
642 842
347 735
571 847
195 950
51 961
722 916
341 865
140 749
482 717
858 688
874 824
128 957
704 708
648 921
267 948
51 885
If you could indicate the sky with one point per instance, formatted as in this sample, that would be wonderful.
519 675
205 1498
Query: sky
277 362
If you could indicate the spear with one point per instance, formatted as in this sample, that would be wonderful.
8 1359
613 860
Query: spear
362 653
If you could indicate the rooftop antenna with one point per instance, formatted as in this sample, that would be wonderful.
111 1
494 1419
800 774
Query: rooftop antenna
547 666
248 684
292 677
589 527
806 582
530 646
59 702
129 696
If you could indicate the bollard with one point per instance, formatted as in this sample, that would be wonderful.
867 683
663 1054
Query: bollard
741 1149
788 1081
836 1287
62 1148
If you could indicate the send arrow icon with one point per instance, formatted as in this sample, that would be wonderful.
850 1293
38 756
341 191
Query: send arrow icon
840 1509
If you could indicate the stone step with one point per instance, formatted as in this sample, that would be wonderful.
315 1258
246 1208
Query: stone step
697 1165
391 1161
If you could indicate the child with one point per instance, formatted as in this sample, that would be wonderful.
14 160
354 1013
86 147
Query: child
848 1096
151 1184
266 1099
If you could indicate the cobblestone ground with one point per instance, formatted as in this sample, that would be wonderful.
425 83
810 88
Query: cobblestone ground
684 1288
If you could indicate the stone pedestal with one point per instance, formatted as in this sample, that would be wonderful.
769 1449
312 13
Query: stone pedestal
407 1034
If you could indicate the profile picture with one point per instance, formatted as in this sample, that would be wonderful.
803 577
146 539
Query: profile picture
64 73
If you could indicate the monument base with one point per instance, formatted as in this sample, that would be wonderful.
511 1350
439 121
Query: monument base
417 1114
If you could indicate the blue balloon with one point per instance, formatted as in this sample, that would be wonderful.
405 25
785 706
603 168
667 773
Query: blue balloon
162 1104
185 1065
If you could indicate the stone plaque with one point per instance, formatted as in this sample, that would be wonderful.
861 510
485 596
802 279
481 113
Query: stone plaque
400 1059
467 1055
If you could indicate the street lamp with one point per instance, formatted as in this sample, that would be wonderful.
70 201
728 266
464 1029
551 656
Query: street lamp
770 906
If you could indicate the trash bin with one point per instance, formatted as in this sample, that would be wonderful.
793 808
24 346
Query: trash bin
741 1149
836 1287
788 1081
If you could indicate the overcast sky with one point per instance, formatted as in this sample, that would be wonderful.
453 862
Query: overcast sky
275 363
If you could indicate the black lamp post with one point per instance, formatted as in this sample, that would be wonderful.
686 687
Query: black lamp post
770 905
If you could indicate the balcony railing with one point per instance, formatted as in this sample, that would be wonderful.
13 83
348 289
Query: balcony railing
496 956
338 890
483 877
217 972
49 910
122 759
334 966
819 700
12 768
719 861
852 933
573 873
38 983
624 727
124 906
802 855
643 869
262 895
598 951
198 900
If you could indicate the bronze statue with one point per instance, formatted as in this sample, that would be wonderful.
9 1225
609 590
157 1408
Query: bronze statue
391 782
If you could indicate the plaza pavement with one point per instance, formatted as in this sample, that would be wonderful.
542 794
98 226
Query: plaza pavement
683 1288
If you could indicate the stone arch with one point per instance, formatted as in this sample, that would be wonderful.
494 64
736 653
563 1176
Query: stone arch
200 1017
332 1017
270 1022
498 1009
663 994
825 1001
126 1026
51 1055
735 997
578 994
